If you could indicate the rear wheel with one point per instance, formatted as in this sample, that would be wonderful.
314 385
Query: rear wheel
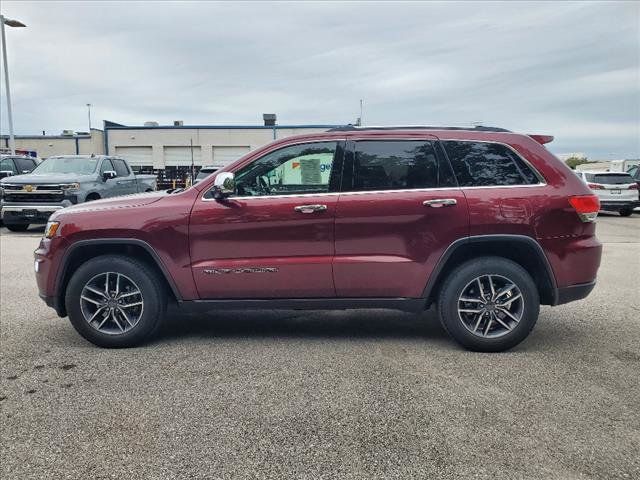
115 301
625 212
489 304
17 227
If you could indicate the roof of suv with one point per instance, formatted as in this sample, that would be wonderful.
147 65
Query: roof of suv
477 128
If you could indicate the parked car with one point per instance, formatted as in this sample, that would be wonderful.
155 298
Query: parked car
483 223
205 172
16 165
617 191
62 181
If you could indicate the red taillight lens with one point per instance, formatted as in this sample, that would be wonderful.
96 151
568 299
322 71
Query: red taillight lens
633 187
586 206
595 186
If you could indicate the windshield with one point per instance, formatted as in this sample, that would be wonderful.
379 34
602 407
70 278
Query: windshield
204 173
79 165
610 178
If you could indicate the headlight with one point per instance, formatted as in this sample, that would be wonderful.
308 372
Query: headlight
51 229
70 187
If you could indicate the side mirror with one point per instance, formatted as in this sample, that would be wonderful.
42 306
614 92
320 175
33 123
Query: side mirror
224 185
5 173
108 175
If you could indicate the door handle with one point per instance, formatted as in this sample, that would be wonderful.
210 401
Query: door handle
440 202
310 208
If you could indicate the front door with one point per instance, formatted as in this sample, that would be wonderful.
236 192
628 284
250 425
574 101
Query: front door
399 210
274 238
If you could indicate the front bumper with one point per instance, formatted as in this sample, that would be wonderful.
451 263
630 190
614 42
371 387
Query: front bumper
28 213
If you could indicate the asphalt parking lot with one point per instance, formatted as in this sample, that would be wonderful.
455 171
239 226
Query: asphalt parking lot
367 394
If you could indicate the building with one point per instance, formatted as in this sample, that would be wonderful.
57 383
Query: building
166 150
67 143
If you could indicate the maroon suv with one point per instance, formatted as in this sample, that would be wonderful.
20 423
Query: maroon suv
481 222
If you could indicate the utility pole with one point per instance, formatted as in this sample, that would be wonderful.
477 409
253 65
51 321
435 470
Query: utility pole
361 119
11 23
192 166
89 108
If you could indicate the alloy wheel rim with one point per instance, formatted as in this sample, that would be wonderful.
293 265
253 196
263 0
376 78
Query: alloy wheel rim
111 303
490 306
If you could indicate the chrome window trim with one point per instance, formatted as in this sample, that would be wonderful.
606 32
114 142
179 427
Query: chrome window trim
541 179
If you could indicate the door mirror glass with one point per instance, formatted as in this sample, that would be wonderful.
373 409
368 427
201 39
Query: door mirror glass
224 185
109 174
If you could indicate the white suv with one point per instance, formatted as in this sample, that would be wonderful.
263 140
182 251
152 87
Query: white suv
617 191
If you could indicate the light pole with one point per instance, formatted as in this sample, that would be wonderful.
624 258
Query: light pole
11 23
89 108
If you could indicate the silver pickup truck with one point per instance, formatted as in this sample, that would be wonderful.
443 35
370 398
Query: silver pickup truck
62 181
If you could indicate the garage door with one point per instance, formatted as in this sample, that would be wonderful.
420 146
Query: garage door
136 156
223 156
181 156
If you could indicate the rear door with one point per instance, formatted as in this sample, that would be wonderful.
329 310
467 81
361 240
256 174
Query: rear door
399 210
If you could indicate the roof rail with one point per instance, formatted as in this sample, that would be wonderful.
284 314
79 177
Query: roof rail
478 128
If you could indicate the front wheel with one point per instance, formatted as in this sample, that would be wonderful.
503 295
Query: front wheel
489 304
115 301
625 212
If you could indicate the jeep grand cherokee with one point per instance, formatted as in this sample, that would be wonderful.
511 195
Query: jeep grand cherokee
483 223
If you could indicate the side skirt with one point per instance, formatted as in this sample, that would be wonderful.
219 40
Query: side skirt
404 304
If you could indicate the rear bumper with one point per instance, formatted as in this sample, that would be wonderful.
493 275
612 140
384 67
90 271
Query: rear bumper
610 205
574 292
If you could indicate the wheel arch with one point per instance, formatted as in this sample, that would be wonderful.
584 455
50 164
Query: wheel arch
523 250
84 250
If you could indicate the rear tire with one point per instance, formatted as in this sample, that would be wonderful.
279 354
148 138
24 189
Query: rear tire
625 212
16 227
483 325
107 320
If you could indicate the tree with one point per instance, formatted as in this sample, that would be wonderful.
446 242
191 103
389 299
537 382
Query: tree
573 162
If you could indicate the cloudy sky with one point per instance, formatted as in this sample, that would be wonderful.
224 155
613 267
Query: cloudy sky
568 69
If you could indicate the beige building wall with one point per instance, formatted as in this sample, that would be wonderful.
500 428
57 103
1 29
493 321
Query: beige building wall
47 146
205 138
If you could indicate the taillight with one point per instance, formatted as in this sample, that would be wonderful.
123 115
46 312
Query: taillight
633 187
595 186
586 206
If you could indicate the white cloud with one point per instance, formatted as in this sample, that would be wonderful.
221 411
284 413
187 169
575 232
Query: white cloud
570 69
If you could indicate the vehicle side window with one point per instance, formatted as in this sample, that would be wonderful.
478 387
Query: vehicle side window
482 164
634 171
291 170
106 166
25 165
120 167
6 165
397 165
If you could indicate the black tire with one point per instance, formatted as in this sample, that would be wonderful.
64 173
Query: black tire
145 278
462 277
92 196
625 212
17 227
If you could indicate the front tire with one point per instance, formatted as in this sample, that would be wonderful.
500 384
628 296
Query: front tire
489 304
115 301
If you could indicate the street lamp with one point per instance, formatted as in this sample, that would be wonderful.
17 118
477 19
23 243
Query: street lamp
10 23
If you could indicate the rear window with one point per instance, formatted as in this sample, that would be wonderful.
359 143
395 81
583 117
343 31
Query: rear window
484 164
610 178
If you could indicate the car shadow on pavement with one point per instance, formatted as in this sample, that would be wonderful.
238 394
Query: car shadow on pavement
361 324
